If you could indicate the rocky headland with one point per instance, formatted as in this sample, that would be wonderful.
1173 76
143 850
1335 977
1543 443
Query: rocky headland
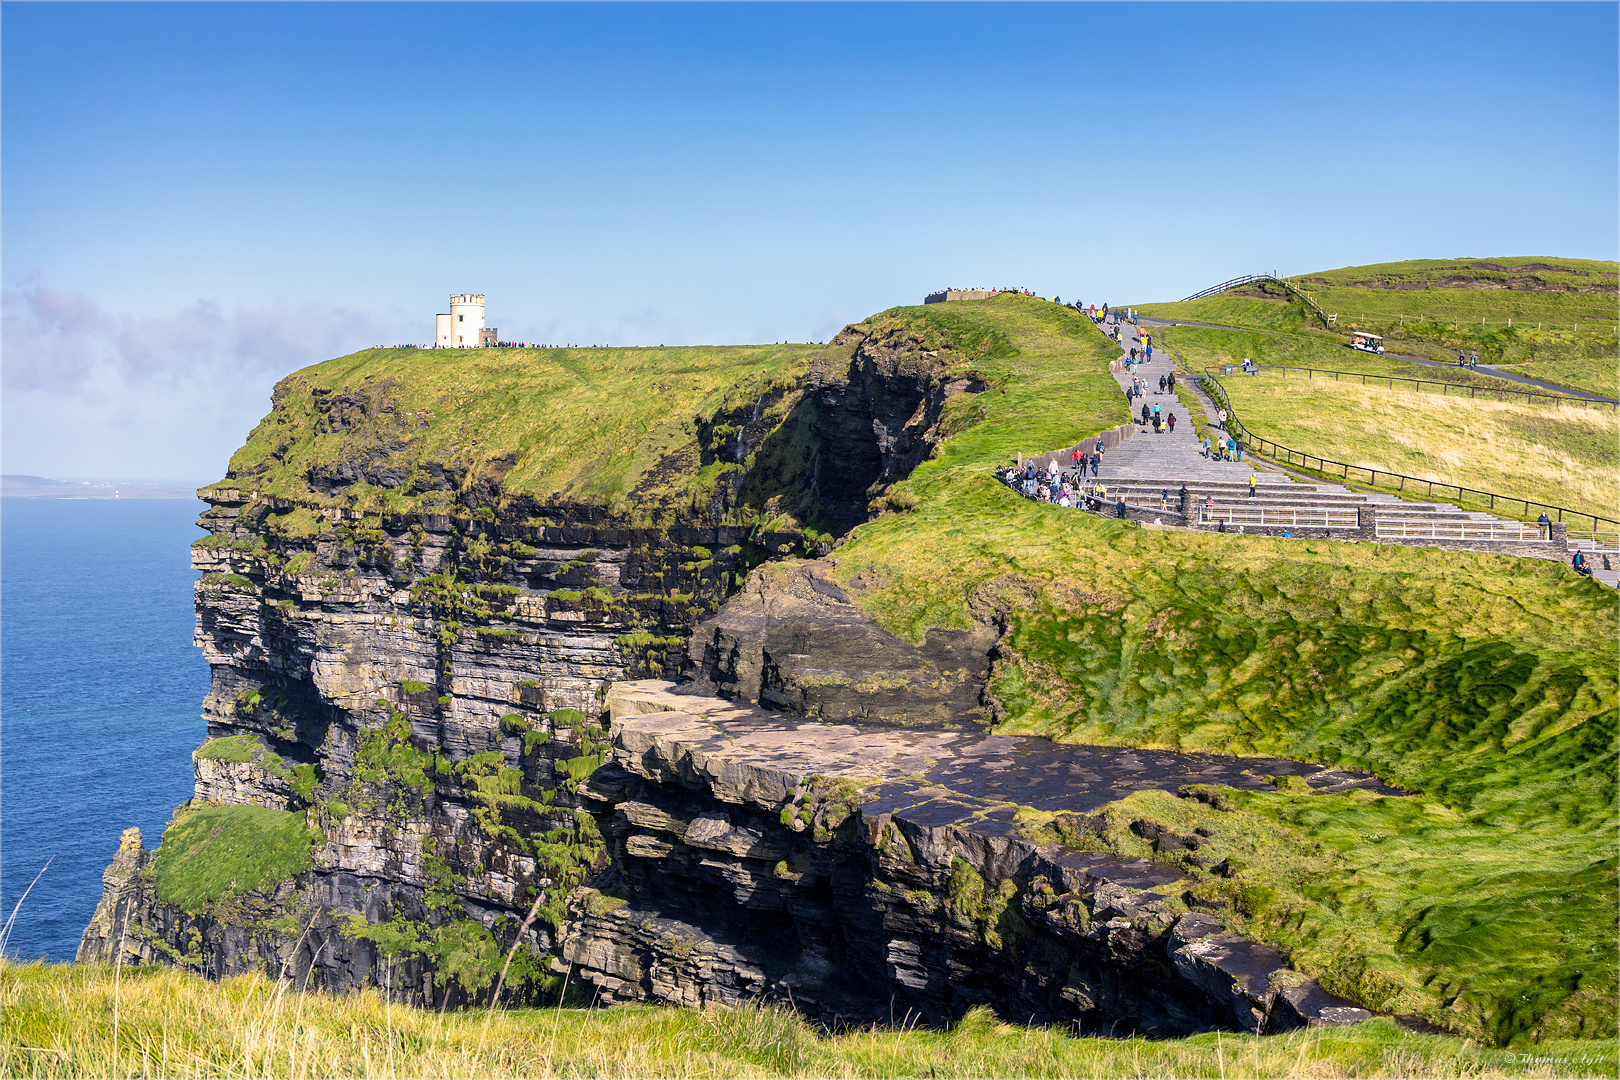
738 691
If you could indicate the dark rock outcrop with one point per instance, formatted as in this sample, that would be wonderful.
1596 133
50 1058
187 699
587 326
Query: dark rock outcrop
879 875
793 640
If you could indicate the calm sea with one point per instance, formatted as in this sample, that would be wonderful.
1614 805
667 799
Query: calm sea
100 697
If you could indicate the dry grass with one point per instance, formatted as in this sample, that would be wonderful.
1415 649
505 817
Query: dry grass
61 1021
1554 453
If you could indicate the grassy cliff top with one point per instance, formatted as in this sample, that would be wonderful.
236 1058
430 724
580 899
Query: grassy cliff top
590 425
636 430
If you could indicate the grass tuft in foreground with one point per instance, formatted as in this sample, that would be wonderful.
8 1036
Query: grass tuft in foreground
67 1020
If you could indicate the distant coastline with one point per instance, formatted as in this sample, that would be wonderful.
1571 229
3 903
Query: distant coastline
39 487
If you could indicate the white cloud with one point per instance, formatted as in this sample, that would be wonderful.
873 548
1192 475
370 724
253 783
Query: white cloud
90 393
63 341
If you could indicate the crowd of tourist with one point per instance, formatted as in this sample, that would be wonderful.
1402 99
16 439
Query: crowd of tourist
1049 481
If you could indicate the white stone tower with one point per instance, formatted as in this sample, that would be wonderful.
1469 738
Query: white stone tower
463 328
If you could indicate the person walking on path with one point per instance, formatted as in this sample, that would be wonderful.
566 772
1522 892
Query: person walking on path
1206 446
1096 460
1146 412
1254 482
1161 384
1209 508
1545 523
1231 449
1172 422
1220 418
1171 379
1237 450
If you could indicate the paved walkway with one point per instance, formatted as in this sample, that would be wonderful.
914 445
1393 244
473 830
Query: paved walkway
1175 456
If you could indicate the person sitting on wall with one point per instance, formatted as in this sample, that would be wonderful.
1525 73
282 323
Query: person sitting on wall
1580 564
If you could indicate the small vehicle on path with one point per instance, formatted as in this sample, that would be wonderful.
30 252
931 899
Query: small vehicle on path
1366 342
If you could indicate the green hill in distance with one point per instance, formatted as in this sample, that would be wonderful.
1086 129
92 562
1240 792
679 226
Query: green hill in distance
1550 318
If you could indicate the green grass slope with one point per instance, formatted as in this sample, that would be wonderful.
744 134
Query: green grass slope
1486 685
87 1020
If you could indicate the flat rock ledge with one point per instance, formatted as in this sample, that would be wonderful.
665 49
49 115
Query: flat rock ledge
877 875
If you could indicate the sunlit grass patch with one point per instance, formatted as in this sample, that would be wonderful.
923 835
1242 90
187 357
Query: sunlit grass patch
1544 451
69 1020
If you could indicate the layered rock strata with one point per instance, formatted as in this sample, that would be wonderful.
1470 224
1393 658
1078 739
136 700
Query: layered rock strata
876 875
411 657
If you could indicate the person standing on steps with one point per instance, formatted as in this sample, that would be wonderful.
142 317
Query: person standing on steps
1206 446
1220 418
1231 448
1254 482
1171 421
1161 384
1096 460
1171 380
1146 412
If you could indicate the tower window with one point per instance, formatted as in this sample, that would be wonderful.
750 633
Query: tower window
461 318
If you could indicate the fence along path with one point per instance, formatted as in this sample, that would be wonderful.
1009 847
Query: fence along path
1487 392
1259 444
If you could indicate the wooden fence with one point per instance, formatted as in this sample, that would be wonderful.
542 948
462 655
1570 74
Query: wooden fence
1490 393
1414 485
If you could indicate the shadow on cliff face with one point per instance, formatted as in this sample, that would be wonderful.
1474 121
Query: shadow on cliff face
851 434
793 640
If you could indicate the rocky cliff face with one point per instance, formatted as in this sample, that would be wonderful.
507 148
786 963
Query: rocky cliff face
874 875
412 657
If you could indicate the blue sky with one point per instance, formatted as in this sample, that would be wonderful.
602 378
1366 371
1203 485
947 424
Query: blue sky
200 198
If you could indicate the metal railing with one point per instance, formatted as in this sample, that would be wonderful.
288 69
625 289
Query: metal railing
1287 517
1474 391
1247 279
1414 485
1460 530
